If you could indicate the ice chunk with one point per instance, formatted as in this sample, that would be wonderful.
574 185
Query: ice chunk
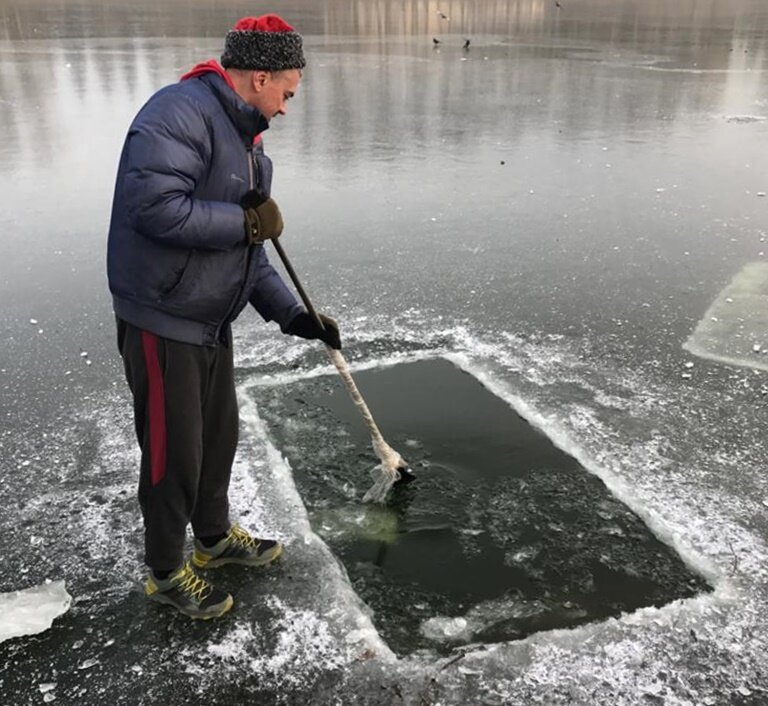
745 118
737 317
443 628
32 610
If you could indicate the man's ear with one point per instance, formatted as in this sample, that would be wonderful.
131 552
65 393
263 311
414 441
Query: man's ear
259 79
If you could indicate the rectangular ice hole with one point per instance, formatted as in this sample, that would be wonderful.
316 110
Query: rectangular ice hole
502 535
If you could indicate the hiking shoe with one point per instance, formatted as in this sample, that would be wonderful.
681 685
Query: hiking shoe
189 594
238 547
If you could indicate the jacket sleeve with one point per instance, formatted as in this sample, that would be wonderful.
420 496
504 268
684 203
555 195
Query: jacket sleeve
270 296
168 149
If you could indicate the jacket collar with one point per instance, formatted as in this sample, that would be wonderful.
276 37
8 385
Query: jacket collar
248 121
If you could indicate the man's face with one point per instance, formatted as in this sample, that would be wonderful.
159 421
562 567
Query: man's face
273 90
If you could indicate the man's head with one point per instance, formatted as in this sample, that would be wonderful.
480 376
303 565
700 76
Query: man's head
264 56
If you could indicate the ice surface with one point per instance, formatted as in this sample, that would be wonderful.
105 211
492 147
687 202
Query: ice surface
529 300
32 610
734 329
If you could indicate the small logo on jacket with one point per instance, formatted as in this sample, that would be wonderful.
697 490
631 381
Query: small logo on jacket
236 178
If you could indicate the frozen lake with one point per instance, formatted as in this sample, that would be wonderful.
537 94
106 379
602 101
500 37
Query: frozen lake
558 210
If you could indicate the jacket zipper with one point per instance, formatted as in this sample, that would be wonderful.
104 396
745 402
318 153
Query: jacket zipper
248 252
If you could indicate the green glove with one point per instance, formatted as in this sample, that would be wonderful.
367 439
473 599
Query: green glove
263 220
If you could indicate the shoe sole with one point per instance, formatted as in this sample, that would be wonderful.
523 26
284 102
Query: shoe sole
266 558
215 611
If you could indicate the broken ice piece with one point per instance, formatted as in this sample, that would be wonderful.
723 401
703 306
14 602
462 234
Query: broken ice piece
83 354
744 691
44 688
466 671
88 664
33 321
689 364
654 689
756 348
32 610
50 696
686 376
761 193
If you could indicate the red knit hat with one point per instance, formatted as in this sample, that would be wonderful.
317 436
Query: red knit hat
268 43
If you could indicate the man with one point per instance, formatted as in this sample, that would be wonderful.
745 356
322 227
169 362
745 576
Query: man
186 254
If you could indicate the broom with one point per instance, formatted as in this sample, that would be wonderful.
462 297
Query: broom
392 468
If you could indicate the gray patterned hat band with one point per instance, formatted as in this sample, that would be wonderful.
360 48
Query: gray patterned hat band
267 43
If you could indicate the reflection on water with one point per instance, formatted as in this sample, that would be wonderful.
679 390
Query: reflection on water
394 95
655 20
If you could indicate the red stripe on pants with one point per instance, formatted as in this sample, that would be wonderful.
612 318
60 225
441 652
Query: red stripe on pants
155 407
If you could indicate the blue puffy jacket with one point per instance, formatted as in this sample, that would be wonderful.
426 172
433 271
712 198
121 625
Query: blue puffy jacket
178 261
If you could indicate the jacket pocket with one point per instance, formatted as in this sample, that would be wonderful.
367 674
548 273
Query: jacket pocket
208 286
176 283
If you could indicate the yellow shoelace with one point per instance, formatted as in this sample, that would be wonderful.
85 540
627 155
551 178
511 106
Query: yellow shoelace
240 536
198 588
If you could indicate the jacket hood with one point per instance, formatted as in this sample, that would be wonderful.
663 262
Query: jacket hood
209 66
214 67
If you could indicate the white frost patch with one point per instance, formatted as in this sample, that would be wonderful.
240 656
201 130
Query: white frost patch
235 643
303 638
306 645
735 326
32 610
